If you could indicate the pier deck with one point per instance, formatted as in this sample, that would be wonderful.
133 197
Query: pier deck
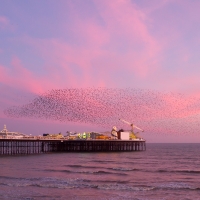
38 146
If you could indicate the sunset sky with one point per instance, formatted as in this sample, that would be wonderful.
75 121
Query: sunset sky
58 44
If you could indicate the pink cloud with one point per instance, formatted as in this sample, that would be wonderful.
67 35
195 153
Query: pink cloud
125 21
5 23
20 77
99 49
123 25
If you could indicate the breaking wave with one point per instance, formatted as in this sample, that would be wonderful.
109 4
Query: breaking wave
50 182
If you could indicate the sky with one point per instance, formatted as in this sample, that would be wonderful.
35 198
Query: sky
59 44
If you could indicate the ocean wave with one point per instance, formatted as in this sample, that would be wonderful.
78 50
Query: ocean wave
189 171
74 183
7 177
56 170
176 186
125 187
106 172
163 186
111 170
47 182
103 161
123 169
75 166
81 166
179 171
85 171
77 183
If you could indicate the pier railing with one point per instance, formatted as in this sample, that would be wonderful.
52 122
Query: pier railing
32 146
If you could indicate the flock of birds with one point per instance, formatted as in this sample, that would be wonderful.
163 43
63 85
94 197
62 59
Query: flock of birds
153 111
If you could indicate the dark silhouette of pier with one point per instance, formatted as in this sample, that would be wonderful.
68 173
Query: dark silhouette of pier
38 146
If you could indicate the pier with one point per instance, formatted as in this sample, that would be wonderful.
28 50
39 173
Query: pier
39 146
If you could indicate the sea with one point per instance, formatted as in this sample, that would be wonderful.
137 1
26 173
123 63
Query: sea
163 171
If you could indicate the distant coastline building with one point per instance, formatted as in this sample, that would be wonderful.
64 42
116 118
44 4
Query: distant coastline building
7 134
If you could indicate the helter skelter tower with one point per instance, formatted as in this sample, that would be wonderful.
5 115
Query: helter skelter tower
5 130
